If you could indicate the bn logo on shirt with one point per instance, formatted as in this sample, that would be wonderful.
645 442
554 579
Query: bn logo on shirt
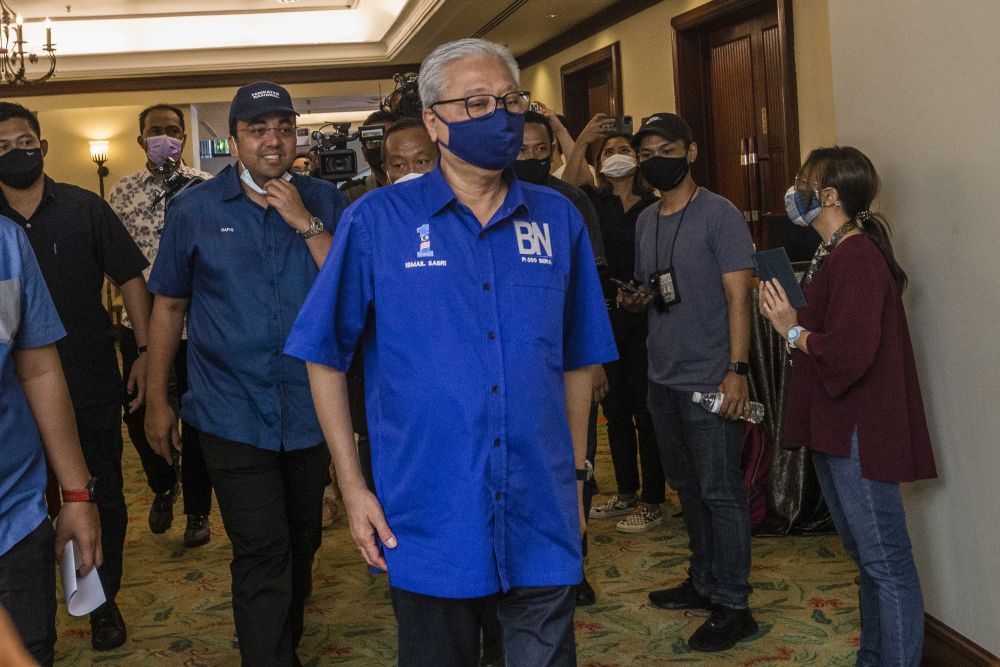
533 241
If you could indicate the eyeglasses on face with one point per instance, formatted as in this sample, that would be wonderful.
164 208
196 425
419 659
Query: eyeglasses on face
484 105
261 131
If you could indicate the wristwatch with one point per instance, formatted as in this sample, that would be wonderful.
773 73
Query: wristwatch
793 335
87 494
586 473
739 367
315 227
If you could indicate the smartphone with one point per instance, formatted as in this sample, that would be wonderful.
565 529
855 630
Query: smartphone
535 106
623 124
628 287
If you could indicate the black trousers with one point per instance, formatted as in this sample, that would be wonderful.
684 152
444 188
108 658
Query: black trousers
630 426
101 440
271 506
536 626
28 591
160 475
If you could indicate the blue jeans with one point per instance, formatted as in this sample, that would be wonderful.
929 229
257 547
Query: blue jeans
869 517
701 457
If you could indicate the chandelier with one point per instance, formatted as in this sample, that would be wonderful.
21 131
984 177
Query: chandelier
13 58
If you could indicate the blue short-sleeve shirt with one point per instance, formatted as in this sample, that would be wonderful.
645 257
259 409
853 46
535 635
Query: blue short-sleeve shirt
246 273
28 320
467 331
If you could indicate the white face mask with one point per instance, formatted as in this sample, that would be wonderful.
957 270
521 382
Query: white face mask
406 177
246 178
618 165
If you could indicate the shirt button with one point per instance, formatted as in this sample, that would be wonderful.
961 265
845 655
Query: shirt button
495 389
491 335
498 495
496 442
28 225
482 235
486 286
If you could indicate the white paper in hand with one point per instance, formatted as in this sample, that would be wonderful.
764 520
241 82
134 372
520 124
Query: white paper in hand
83 594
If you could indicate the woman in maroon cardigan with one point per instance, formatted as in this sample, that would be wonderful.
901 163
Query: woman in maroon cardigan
853 396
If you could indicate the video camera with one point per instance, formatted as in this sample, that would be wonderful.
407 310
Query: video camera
334 160
174 183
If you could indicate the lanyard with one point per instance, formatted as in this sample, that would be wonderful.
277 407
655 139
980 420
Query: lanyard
673 242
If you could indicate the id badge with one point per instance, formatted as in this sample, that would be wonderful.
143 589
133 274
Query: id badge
664 286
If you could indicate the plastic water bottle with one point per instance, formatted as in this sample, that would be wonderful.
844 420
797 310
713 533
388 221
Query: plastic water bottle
712 401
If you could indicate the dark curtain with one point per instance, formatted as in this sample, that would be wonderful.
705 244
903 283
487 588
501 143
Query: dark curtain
794 501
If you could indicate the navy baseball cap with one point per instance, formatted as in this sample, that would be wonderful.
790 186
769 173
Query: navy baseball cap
257 99
668 125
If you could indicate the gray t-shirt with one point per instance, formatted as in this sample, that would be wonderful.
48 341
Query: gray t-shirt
689 344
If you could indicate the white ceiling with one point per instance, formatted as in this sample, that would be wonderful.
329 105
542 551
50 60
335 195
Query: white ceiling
119 38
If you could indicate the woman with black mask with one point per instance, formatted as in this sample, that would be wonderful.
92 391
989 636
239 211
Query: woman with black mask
619 197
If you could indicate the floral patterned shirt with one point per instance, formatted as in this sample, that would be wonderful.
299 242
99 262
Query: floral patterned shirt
131 198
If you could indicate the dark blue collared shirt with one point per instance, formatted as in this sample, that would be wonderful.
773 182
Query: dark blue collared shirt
246 272
468 331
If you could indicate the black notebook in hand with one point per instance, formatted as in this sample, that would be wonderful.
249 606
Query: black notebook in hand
773 264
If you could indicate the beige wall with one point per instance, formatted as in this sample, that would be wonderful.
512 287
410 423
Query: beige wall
916 86
70 122
648 75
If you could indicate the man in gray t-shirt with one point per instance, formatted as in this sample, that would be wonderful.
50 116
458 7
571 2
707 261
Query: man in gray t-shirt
693 259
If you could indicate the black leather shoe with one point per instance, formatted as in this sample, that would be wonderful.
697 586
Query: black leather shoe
685 596
585 595
197 532
107 627
723 629
161 513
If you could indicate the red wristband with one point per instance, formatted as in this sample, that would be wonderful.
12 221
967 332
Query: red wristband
84 495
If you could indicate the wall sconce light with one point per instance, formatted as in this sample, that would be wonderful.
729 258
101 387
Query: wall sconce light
99 154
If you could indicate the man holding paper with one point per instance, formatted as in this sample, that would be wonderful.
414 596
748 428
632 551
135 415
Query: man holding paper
36 424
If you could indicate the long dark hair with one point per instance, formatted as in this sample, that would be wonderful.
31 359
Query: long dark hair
853 175
639 185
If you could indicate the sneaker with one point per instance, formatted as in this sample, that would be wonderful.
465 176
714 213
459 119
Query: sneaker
197 532
685 596
614 507
107 628
642 519
161 514
331 510
723 629
585 595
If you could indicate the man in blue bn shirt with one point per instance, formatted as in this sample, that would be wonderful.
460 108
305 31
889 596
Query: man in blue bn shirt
242 250
478 302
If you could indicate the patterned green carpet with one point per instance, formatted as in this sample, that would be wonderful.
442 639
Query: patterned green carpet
176 602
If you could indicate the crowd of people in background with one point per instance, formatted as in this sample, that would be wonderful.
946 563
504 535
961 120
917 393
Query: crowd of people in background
308 351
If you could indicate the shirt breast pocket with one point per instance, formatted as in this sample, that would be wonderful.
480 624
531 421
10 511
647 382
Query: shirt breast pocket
538 301
10 309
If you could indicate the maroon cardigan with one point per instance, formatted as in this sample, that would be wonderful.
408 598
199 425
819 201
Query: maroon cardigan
860 369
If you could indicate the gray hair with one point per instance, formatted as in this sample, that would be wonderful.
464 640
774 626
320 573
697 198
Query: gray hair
432 70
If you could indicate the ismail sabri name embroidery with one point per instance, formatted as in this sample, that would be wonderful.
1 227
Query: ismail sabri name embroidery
419 264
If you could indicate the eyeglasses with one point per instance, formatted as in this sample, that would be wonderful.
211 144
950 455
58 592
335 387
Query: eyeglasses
482 106
261 131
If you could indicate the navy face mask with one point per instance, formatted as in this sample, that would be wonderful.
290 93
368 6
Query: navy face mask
491 142
21 167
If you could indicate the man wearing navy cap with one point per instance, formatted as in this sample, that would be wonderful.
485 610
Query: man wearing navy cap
693 258
238 255
482 317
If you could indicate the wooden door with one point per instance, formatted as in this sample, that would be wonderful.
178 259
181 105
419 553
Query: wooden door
591 85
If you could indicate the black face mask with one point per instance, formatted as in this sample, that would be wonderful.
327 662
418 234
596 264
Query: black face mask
533 170
664 173
21 167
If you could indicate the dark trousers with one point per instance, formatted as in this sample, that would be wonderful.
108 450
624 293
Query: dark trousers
28 591
101 440
702 455
271 506
536 626
160 475
630 427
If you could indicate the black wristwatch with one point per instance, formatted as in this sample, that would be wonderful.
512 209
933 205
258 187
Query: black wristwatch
586 473
739 367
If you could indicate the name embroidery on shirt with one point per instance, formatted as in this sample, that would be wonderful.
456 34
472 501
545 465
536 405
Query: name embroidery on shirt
227 229
424 250
534 242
